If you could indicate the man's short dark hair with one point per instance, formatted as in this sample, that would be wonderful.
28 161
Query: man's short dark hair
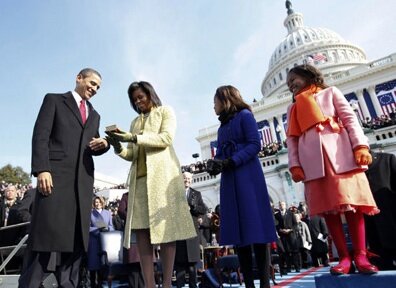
89 71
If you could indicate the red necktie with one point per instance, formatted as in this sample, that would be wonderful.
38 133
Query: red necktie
83 111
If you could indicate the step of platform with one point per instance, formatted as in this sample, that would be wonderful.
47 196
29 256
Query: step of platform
9 281
382 279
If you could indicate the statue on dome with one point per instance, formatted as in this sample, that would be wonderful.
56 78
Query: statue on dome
289 7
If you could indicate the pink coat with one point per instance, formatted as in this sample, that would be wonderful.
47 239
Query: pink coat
306 150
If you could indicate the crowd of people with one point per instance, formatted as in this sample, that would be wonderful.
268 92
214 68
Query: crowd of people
271 149
15 202
265 151
195 168
380 122
119 186
20 189
302 240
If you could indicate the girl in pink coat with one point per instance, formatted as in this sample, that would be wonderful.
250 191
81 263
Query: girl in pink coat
329 152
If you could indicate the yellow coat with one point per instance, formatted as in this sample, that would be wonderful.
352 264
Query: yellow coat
169 213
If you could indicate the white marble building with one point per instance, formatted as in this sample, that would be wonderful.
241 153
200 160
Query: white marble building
370 87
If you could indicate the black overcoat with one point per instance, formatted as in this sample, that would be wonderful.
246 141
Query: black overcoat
197 208
60 146
381 228
288 221
317 225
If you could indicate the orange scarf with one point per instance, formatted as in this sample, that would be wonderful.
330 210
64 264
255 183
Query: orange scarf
305 112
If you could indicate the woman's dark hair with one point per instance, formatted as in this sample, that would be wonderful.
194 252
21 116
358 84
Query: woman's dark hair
231 99
148 89
311 74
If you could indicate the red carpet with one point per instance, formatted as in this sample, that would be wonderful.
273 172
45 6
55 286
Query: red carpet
295 278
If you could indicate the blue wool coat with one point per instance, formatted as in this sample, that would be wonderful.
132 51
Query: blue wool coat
246 216
94 248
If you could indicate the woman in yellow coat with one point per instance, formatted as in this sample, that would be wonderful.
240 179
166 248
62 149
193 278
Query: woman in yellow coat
157 207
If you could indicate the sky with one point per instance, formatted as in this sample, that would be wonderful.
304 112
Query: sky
184 48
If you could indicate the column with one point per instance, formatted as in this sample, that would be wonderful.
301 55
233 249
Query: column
280 128
272 128
374 99
289 192
362 102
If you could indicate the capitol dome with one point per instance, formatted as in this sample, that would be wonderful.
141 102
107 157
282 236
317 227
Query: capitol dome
317 46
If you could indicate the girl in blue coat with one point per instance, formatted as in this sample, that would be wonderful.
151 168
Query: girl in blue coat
246 217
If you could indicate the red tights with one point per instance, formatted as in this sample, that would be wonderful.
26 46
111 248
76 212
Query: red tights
357 231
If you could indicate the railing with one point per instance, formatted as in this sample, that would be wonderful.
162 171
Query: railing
382 135
362 68
269 161
381 62
14 248
203 176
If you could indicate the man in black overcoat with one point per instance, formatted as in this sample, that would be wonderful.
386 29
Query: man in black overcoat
381 228
286 230
65 137
187 251
317 227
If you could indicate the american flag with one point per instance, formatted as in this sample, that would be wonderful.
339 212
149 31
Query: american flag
213 148
387 102
265 132
267 136
261 124
318 57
